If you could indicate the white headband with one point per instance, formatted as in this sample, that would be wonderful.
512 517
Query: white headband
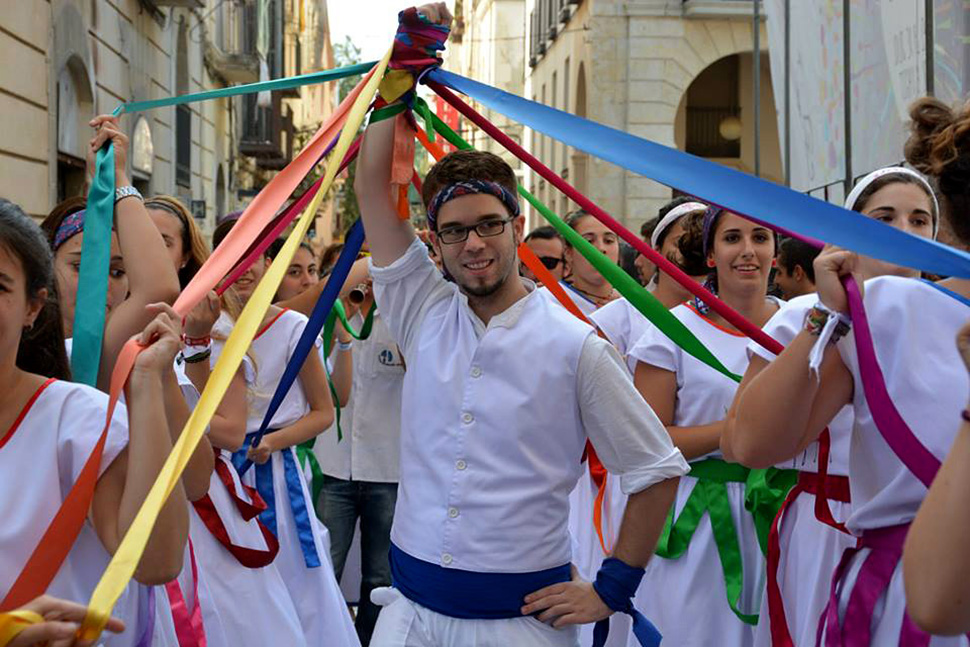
864 183
673 216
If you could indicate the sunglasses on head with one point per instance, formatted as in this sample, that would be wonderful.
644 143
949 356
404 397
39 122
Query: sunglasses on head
551 262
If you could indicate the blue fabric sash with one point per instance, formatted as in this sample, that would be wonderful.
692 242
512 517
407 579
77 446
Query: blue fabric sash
294 490
467 594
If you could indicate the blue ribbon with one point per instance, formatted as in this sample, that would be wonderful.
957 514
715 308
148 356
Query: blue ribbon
307 342
616 583
736 191
294 491
948 292
92 282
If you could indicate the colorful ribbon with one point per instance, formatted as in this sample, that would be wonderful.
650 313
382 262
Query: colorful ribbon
736 191
294 492
643 301
14 622
249 88
92 286
126 557
307 341
710 496
616 584
189 629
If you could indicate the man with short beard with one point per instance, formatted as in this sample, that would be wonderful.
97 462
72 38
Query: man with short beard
503 389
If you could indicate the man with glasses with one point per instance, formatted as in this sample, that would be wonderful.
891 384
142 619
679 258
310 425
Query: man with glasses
547 245
503 388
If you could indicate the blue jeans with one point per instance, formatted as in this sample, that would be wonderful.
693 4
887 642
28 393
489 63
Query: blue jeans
341 504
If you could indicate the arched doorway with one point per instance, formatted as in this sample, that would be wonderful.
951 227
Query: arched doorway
715 118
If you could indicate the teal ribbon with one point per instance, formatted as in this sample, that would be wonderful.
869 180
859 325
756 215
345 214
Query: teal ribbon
249 88
92 284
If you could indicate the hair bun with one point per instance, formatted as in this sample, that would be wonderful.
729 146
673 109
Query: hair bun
938 135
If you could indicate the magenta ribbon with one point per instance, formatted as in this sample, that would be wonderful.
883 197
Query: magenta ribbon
893 429
189 629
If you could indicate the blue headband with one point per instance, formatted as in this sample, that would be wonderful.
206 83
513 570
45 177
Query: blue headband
470 187
71 225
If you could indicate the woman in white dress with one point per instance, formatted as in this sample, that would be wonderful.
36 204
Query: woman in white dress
913 324
52 425
711 558
810 545
305 412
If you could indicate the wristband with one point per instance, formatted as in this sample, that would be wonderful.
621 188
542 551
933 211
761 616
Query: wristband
196 341
344 346
817 318
129 191
198 357
616 584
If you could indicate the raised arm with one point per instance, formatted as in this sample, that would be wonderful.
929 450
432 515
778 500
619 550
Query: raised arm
936 562
762 432
151 276
388 236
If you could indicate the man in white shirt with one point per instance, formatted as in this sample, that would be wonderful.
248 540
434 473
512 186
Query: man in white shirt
502 390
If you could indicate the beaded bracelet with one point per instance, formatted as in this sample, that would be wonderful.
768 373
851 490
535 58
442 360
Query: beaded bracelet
819 315
196 341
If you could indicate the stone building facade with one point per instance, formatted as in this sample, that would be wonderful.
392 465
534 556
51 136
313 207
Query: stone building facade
677 72
67 60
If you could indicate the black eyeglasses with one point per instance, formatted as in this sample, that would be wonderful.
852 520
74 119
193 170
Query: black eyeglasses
484 229
551 262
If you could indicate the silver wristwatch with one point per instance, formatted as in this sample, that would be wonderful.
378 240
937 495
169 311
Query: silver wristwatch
129 191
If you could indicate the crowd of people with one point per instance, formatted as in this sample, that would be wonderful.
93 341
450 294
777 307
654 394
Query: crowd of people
481 459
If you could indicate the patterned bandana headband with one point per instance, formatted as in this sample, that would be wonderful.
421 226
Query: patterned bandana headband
470 187
71 225
864 183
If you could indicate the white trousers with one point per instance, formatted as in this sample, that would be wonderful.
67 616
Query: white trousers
402 623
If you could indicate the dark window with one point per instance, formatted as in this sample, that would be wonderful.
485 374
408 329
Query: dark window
714 111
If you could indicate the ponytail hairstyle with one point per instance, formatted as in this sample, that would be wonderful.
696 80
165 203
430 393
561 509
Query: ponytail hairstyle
41 349
193 244
939 146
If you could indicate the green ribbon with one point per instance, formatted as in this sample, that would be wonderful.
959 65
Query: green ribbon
764 493
304 451
92 283
710 495
388 111
248 88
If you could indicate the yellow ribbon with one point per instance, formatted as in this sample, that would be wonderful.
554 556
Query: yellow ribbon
126 558
13 622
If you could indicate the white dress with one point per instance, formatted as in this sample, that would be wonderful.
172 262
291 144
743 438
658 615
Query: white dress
314 590
686 598
45 450
914 328
253 603
810 549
